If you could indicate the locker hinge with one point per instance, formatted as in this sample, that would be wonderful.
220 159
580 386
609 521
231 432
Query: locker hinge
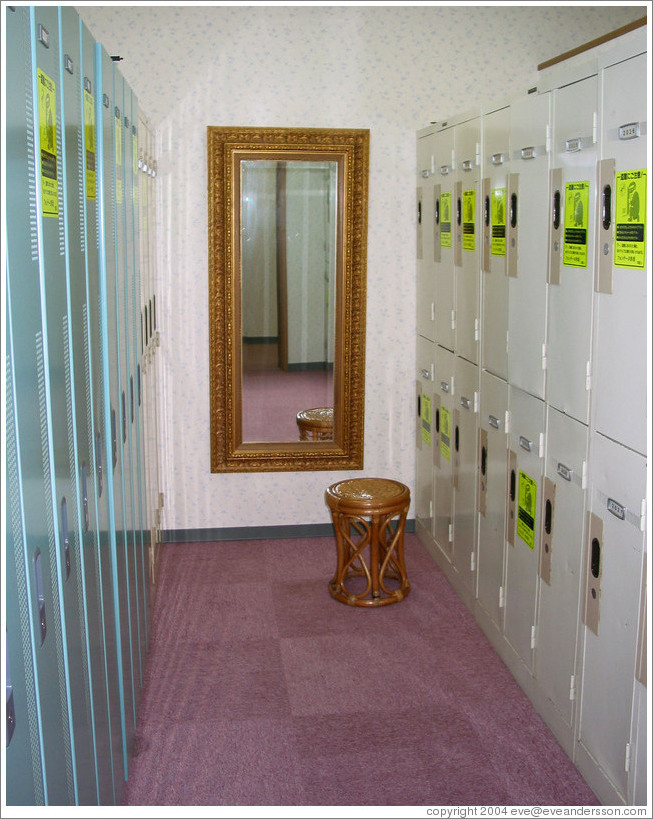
453 160
595 127
478 154
431 509
432 372
541 444
588 376
476 401
502 600
472 562
572 687
627 758
583 478
432 311
642 516
451 533
453 319
533 636
548 139
507 422
453 391
507 340
477 331
544 356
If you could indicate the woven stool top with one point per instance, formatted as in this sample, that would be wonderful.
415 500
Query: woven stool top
369 490
317 415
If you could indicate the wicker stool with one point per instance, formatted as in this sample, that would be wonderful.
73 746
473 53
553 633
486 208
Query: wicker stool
315 424
369 512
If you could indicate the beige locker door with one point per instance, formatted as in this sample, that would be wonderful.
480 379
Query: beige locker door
491 496
424 235
444 181
425 434
443 472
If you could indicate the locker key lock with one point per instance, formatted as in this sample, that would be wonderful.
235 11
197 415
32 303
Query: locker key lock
606 249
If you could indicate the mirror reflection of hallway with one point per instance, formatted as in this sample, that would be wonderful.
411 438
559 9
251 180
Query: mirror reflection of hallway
288 253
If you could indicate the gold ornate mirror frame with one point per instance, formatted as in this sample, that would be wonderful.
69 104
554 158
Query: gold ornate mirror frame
227 148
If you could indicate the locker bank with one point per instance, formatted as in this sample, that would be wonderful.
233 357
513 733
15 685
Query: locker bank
514 402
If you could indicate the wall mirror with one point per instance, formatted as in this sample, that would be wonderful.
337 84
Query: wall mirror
287 220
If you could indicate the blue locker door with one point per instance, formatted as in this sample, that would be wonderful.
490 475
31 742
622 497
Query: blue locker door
123 350
133 302
23 763
73 123
53 239
107 195
100 430
39 553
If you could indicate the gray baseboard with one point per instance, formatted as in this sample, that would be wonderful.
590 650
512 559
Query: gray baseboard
254 532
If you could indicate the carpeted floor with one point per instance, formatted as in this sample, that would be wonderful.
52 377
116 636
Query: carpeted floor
262 690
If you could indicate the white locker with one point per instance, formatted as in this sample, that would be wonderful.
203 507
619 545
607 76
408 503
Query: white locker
525 471
528 207
620 365
467 144
446 232
465 441
494 208
425 229
425 436
561 545
443 395
491 497
571 248
612 570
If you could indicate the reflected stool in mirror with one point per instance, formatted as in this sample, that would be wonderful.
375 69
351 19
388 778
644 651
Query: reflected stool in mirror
369 517
315 424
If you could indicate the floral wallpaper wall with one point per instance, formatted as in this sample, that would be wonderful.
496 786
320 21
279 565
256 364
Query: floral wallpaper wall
392 69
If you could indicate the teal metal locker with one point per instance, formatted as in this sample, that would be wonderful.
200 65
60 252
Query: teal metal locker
112 450
39 554
72 78
53 239
100 431
23 761
135 386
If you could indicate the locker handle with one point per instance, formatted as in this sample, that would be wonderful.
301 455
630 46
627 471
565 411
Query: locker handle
606 207
459 211
494 422
524 443
11 710
513 210
548 516
467 165
65 536
444 386
425 373
513 484
124 418
419 213
85 497
556 210
483 460
437 211
595 560
486 211
114 438
98 458
465 402
40 596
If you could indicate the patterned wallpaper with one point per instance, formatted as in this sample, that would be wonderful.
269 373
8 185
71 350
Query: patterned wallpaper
391 69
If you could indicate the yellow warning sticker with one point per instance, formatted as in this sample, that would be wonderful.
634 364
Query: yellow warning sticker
445 219
445 433
426 420
498 222
117 133
469 220
47 94
526 509
89 136
577 206
630 219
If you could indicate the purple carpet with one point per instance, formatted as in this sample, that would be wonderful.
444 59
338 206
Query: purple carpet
260 689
